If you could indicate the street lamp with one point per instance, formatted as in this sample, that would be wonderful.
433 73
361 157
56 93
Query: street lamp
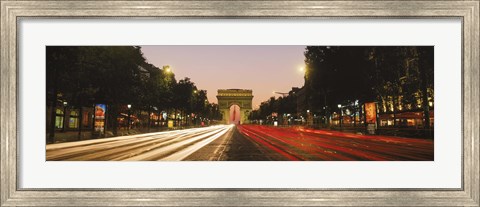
64 115
341 114
167 69
308 117
355 113
129 106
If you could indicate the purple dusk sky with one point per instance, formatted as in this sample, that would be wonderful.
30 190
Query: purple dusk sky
262 68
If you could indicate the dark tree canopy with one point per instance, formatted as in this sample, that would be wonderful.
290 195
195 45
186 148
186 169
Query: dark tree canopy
117 76
396 77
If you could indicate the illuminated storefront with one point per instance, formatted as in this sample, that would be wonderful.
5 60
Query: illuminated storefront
70 118
73 120
405 119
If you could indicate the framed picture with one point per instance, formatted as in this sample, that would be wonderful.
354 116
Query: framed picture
245 103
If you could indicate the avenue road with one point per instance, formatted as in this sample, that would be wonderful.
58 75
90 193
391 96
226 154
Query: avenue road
243 143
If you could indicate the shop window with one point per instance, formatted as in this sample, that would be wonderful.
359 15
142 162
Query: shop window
59 122
336 122
73 121
59 119
383 123
85 119
390 122
411 122
386 122
419 122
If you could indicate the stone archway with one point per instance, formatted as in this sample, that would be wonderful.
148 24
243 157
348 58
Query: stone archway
235 115
235 97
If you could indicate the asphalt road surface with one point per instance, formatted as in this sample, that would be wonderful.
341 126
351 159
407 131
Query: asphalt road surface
244 143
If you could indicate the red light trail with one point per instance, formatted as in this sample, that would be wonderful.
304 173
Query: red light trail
297 143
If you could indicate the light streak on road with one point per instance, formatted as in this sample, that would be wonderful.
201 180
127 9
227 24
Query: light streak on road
245 142
169 145
297 143
193 148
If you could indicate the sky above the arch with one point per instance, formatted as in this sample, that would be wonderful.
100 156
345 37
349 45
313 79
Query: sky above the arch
261 68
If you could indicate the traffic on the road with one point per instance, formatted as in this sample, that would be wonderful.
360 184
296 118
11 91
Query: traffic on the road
245 142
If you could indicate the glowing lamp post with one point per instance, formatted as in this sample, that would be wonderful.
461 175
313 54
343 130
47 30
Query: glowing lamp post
308 117
341 114
129 106
302 70
64 115
167 69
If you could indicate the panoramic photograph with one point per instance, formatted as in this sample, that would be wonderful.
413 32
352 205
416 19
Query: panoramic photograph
239 103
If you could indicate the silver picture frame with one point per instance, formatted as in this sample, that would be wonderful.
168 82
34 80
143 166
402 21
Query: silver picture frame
12 11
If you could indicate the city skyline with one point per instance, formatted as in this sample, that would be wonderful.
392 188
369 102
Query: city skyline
214 67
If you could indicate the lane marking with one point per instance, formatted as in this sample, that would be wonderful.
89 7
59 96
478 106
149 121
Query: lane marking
222 148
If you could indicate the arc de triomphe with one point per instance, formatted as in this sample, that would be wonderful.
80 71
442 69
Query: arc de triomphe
240 97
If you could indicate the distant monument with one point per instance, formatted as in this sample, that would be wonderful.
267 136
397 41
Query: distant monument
235 105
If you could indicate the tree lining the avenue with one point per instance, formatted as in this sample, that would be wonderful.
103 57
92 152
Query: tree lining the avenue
119 76
397 78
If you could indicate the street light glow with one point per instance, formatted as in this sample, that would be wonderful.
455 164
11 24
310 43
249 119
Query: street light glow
167 69
129 106
339 105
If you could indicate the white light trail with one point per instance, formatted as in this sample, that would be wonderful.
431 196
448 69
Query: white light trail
174 148
167 145
193 148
